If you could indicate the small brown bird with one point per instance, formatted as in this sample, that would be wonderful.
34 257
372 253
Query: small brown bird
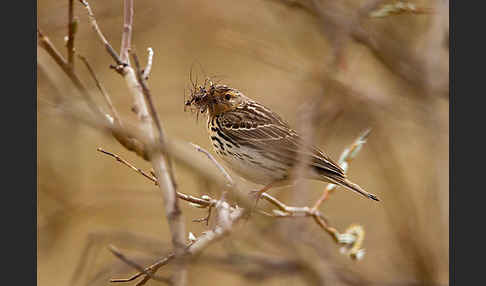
256 143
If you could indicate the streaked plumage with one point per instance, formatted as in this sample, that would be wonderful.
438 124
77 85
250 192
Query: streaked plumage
257 143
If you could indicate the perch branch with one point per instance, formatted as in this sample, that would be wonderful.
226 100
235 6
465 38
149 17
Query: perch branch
227 216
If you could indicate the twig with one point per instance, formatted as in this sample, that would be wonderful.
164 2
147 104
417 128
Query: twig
100 88
290 211
148 98
72 27
227 216
108 47
148 68
344 160
151 269
204 219
47 45
218 165
397 8
351 239
142 270
203 202
127 31
126 163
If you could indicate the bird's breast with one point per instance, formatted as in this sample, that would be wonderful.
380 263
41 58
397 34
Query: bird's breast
249 163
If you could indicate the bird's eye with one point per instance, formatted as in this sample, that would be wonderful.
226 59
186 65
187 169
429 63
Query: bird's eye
227 96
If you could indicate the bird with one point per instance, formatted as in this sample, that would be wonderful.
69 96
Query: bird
257 144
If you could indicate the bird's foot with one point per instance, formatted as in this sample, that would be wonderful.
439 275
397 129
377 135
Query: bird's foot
256 195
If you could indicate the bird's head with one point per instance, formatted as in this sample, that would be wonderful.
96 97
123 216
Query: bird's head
214 98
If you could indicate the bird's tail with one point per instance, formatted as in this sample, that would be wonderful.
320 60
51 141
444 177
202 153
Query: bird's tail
351 186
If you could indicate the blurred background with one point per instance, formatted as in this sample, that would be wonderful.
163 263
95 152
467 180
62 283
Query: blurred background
390 74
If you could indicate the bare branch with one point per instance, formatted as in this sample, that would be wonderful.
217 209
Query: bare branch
96 28
127 31
227 216
148 68
100 88
126 163
148 98
223 171
47 45
143 105
344 160
72 28
397 8
133 264
200 202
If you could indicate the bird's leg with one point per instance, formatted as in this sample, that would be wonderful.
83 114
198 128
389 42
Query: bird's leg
258 193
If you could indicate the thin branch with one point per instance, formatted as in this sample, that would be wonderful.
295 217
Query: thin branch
107 45
100 88
148 98
205 201
397 8
126 163
218 165
133 264
150 269
127 31
344 160
227 216
72 28
148 68
351 239
47 45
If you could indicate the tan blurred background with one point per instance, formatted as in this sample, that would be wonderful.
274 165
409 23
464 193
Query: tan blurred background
278 53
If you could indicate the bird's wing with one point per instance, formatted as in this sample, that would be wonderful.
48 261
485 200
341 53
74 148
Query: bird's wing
258 127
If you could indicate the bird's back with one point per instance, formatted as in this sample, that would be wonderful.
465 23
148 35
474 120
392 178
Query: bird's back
261 147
